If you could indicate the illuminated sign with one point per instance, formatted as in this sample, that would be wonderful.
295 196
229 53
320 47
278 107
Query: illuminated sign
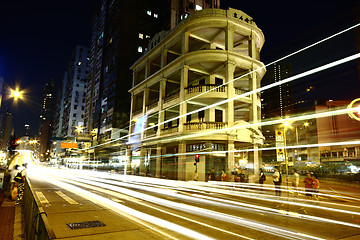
68 145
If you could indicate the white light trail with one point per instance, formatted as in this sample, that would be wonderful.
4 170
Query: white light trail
200 211
126 211
110 185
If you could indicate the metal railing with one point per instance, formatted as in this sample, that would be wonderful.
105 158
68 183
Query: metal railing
197 126
35 218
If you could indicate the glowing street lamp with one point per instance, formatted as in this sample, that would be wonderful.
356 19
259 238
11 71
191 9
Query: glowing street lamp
16 94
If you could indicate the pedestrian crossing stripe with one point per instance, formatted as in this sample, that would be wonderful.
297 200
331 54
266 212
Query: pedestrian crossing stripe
66 198
41 197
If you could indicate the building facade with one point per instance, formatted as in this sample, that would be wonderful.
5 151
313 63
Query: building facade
47 114
122 32
75 81
190 96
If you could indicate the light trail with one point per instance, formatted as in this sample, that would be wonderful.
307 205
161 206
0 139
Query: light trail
195 185
195 197
120 195
280 59
130 213
200 211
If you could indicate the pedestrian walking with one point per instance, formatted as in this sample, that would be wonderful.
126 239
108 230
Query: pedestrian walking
262 178
13 173
20 182
308 185
223 176
277 181
315 186
296 181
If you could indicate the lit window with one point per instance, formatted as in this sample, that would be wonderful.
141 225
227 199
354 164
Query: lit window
156 15
147 36
140 49
79 63
141 35
148 12
198 8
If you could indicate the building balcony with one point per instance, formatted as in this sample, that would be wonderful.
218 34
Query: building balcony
199 126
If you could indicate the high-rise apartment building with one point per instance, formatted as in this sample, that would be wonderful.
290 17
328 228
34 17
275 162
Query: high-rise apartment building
122 32
74 92
47 114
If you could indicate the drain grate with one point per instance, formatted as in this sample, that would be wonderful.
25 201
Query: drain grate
89 224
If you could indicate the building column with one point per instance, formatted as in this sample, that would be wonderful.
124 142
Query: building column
183 104
142 161
181 171
185 43
229 76
229 37
254 118
252 46
158 160
163 58
230 165
161 115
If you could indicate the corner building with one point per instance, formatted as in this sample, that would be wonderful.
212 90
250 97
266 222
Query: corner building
184 99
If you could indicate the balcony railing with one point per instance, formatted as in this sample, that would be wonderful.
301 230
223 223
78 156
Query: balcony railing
169 130
205 88
172 96
198 126
152 105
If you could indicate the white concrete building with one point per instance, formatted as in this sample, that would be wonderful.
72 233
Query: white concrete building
75 92
184 99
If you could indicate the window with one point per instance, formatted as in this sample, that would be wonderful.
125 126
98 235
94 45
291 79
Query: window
148 12
79 63
198 7
147 36
141 36
140 49
156 15
74 115
75 106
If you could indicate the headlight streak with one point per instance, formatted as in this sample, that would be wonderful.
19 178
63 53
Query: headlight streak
205 187
243 187
192 198
120 195
200 211
126 211
280 59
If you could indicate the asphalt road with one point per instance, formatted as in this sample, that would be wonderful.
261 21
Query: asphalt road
131 207
156 208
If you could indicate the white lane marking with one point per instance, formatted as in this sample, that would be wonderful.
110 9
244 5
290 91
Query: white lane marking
66 198
41 197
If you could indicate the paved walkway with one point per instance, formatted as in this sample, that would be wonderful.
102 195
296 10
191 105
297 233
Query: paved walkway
7 216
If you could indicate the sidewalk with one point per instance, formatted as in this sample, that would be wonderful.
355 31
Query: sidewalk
7 217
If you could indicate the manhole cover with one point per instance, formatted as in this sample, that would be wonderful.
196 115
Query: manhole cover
89 224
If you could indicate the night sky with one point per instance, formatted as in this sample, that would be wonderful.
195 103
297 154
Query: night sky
38 37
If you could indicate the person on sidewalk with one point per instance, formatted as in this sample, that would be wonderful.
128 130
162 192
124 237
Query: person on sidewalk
308 185
262 178
296 181
13 173
315 187
20 185
277 181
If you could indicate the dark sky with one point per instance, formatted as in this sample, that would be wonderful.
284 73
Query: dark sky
38 37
